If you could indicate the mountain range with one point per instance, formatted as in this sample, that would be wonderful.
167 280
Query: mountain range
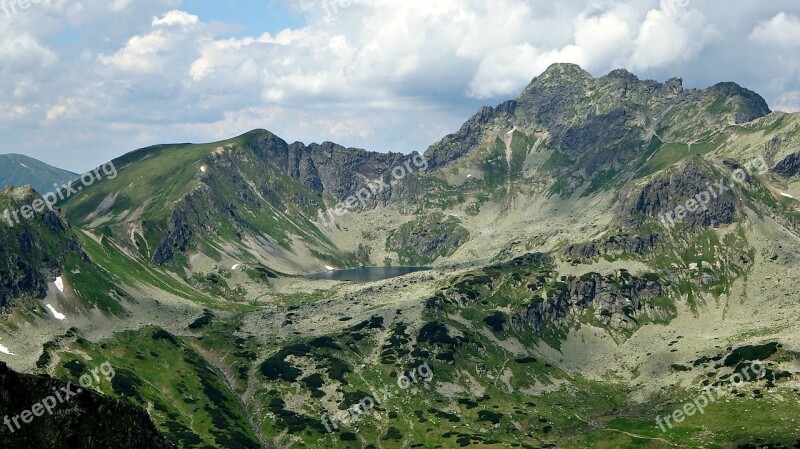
600 252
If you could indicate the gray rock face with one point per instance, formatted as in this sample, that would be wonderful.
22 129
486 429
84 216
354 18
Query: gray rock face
746 104
454 146
423 241
618 301
269 173
179 239
327 167
34 251
660 199
618 244
788 167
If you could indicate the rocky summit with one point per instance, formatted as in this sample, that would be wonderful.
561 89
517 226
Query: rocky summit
603 262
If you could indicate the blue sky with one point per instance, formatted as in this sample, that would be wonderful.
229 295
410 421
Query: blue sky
85 81
251 17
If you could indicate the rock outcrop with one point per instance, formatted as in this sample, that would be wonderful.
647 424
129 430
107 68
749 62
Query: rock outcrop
33 251
619 301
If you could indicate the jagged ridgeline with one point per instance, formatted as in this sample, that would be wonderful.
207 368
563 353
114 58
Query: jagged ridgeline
602 248
255 198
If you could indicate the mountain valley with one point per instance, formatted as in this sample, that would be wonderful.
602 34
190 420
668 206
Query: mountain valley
601 250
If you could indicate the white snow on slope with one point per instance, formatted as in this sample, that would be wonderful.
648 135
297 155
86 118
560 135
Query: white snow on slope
59 316
60 284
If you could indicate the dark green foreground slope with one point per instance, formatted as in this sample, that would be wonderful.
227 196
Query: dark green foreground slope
87 420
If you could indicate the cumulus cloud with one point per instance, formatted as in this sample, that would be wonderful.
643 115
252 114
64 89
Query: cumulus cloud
670 34
783 30
171 37
23 51
379 74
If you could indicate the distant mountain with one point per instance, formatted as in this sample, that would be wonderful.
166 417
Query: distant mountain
17 170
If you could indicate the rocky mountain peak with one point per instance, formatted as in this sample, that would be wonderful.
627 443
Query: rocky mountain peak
561 72
745 104
599 120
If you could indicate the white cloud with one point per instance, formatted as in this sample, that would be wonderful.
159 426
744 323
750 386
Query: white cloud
24 51
176 17
70 107
155 51
783 30
669 35
605 38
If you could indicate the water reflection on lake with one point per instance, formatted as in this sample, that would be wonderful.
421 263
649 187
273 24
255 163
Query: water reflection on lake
367 274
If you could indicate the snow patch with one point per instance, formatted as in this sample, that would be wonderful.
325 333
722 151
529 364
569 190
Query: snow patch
203 168
59 316
787 195
59 284
329 268
235 266
5 350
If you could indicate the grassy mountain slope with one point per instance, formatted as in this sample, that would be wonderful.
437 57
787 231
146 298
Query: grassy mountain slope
253 199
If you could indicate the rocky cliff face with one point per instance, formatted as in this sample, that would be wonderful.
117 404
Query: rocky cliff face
258 185
327 167
788 167
87 421
422 241
542 298
660 198
32 251
620 301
